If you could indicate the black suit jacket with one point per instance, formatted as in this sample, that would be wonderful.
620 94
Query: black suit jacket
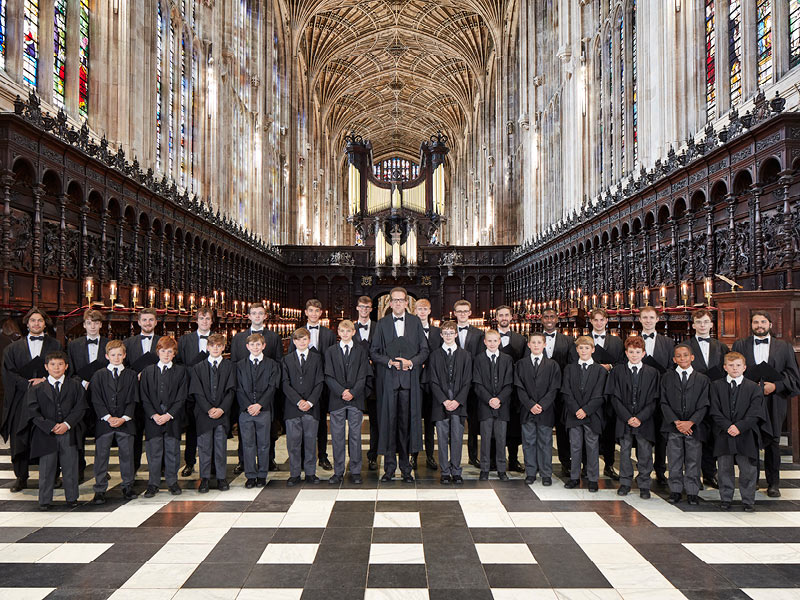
273 348
540 387
747 416
485 389
662 353
133 349
189 350
260 390
436 372
305 384
116 398
619 389
564 350
78 352
516 348
41 401
177 390
353 377
590 399
689 406
716 353
365 341
203 397
474 341
327 338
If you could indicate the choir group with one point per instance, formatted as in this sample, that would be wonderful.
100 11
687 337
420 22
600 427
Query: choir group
694 407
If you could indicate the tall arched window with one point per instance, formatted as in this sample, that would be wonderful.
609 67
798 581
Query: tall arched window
600 129
764 41
794 33
60 52
30 44
184 108
711 58
159 84
635 85
2 34
173 91
83 59
735 50
622 96
193 113
610 88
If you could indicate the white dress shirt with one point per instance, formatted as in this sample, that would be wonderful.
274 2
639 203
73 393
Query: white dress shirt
535 357
202 344
349 345
505 340
364 331
491 354
254 357
60 381
399 326
705 347
688 371
451 347
598 341
215 361
162 366
589 362
314 343
637 365
761 351
738 380
147 343
93 348
549 344
462 335
35 347
302 355
120 369
649 344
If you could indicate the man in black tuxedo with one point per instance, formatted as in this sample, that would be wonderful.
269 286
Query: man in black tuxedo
659 350
365 329
560 348
608 351
193 349
780 380
709 357
399 396
516 346
422 309
140 352
322 338
470 338
274 350
23 366
87 355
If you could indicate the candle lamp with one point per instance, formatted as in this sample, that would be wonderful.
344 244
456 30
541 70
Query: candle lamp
594 300
571 297
685 292
605 299
180 300
235 306
617 299
663 296
646 296
191 302
88 289
202 301
134 296
558 305
221 300
708 289
632 298
151 296
586 301
112 292
167 298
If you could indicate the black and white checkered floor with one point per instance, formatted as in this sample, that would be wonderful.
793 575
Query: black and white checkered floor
483 540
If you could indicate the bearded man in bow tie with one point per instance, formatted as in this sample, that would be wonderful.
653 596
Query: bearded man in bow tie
558 347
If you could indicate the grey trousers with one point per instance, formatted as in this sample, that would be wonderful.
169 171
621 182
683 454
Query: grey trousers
537 448
255 443
493 428
101 454
684 455
450 434
353 417
67 456
748 475
302 432
164 448
644 461
581 436
213 444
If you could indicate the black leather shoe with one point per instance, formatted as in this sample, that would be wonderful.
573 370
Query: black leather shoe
475 463
502 476
150 491
711 482
313 479
372 464
75 503
430 462
661 480
387 477
515 466
408 478
324 463
45 507
572 484
356 479
565 471
725 505
223 485
129 494
457 479
273 466
623 490
644 494
19 485
445 479
187 470
251 483
610 472
203 487
693 500
238 469
261 481
292 481
530 480
58 484
674 498
546 481
592 486
484 476
175 489
773 491
749 508
335 480
413 461
99 498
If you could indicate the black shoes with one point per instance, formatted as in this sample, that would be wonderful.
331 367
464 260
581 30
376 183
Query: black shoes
151 491
749 508
484 476
623 490
356 479
475 463
547 481
674 498
313 479
644 494
457 479
502 476
445 479
387 477
223 485
335 480
572 484
99 498
725 505
261 481
372 464
592 486
516 466
530 480
324 463
661 480
711 482
773 491
19 485
273 466
187 470
408 478
609 471
693 500
45 507
203 487
175 489
75 503
291 482
430 462
238 469
251 483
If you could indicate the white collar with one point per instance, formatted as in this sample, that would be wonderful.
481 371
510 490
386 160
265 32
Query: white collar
368 322
589 362
342 344
738 380
503 330
162 365
637 365
604 332
535 356
766 337
213 360
199 333
490 354
259 330
60 380
119 368
96 337
447 347
688 371
259 357
303 353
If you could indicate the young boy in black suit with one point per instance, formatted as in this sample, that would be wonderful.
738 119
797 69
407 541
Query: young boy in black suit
737 409
449 374
537 380
365 329
423 310
56 407
582 387
257 380
303 377
114 392
212 388
633 390
163 390
684 403
470 339
346 371
493 383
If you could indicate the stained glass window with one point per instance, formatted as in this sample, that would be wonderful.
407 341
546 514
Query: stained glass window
635 86
610 73
83 56
59 51
159 82
764 41
621 76
600 129
184 109
711 57
735 50
193 137
2 34
172 93
794 33
30 44
406 169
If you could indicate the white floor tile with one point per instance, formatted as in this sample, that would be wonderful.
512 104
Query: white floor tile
357 495
772 593
176 553
139 593
26 553
204 520
207 594
611 554
488 519
311 506
200 535
405 554
651 594
288 554
396 594
259 519
534 519
398 494
634 576
305 520
505 554
270 593
396 519
72 552
30 593
586 594
523 594
170 576
719 553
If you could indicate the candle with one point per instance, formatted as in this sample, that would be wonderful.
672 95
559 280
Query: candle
151 296
663 295
134 296
166 298
89 289
646 296
616 299
112 291
180 300
605 300
685 292
202 301
594 300
221 300
631 297
708 288
191 301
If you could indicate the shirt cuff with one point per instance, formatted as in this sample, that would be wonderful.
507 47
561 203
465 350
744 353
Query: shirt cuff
106 418
67 424
126 418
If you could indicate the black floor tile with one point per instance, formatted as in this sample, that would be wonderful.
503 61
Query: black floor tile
498 535
351 519
80 594
332 594
277 576
298 535
396 506
14 534
336 574
54 535
460 593
397 576
564 573
455 573
715 594
515 576
545 535
132 553
222 575
99 575
747 576
347 535
343 553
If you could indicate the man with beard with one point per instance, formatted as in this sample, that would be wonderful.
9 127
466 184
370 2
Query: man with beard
514 345
560 348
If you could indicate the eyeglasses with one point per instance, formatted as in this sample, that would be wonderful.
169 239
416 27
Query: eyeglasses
462 312
398 299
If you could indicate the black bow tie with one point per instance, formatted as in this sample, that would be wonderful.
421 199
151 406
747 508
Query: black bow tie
506 334
551 335
426 329
764 341
649 336
36 338
599 337
363 325
203 337
396 319
88 341
147 337
463 328
706 340
313 327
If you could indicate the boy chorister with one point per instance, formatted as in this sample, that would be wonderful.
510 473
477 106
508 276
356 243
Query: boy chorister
303 376
737 407
537 380
583 388
212 387
633 390
493 382
257 380
114 394
56 406
684 404
163 390
449 373
346 370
